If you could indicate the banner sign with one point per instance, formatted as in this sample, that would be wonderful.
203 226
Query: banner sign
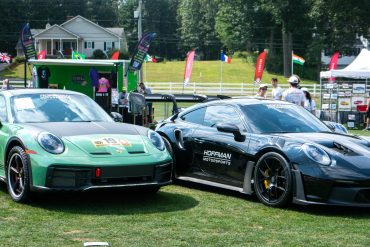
27 42
188 66
260 65
333 65
140 51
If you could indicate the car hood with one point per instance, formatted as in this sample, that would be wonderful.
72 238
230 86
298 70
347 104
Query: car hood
97 138
63 129
340 142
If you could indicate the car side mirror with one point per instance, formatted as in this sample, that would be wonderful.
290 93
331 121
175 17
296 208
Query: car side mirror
231 128
116 116
330 125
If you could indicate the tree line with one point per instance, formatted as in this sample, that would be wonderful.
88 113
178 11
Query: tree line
209 26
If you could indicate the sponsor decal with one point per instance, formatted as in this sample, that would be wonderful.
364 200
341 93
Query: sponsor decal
125 143
217 157
109 141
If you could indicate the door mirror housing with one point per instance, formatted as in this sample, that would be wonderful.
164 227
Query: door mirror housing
231 128
116 116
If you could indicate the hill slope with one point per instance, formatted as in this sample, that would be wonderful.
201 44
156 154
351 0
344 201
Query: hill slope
203 71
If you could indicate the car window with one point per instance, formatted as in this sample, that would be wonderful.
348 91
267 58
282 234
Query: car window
196 116
3 112
280 118
56 107
222 114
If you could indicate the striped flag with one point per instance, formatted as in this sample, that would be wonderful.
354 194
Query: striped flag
225 58
149 58
297 59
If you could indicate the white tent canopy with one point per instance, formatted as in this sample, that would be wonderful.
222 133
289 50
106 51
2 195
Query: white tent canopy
359 68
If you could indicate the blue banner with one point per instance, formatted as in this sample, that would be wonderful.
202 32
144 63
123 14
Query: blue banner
140 51
27 42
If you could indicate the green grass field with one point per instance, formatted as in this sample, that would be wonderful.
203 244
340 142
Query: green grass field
176 216
203 71
237 71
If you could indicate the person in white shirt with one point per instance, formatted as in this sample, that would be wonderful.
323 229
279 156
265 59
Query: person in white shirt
309 103
277 92
294 94
262 91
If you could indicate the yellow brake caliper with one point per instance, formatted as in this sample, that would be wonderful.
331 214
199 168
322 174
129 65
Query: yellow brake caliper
266 182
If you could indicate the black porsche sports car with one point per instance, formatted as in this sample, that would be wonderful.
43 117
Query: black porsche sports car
275 149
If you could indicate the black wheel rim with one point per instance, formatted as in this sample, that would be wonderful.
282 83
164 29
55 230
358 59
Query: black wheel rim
272 180
16 175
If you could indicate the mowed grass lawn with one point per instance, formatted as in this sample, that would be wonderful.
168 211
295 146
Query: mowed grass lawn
177 216
238 71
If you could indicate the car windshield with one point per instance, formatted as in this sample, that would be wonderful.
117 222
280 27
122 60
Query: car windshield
56 107
281 118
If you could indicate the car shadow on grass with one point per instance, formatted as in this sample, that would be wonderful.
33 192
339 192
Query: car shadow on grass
115 202
323 210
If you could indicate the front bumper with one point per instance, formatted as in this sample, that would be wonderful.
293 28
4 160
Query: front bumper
74 178
312 190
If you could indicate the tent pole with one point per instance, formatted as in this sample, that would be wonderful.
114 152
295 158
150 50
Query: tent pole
321 96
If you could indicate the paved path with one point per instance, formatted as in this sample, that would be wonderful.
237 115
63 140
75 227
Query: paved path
3 66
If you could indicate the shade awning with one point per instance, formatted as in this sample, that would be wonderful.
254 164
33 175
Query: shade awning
359 68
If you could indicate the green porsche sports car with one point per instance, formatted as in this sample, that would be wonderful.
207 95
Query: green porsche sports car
58 140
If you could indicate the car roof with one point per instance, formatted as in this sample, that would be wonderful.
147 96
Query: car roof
16 92
240 101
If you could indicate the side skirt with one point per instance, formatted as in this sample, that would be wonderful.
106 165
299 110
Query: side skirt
3 179
214 184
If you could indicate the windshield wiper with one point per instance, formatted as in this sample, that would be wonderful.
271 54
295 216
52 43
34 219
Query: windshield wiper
277 132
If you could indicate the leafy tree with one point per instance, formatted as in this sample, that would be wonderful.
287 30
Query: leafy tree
196 20
292 16
234 23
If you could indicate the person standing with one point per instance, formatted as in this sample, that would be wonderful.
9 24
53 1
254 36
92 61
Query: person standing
262 91
368 115
144 90
6 85
123 104
309 103
293 94
277 92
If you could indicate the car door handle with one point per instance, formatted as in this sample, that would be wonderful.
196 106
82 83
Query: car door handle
200 141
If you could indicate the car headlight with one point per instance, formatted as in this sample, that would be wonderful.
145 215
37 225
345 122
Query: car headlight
156 140
50 143
316 154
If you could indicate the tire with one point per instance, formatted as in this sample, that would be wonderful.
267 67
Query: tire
273 180
17 175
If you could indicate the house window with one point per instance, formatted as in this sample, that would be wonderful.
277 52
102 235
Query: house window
109 45
89 45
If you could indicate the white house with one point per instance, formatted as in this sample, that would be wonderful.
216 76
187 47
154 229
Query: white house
78 34
346 55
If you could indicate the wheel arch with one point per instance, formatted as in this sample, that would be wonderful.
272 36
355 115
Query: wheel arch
268 149
14 141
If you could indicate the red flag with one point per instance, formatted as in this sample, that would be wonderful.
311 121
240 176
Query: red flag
260 65
42 54
188 66
333 64
115 55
